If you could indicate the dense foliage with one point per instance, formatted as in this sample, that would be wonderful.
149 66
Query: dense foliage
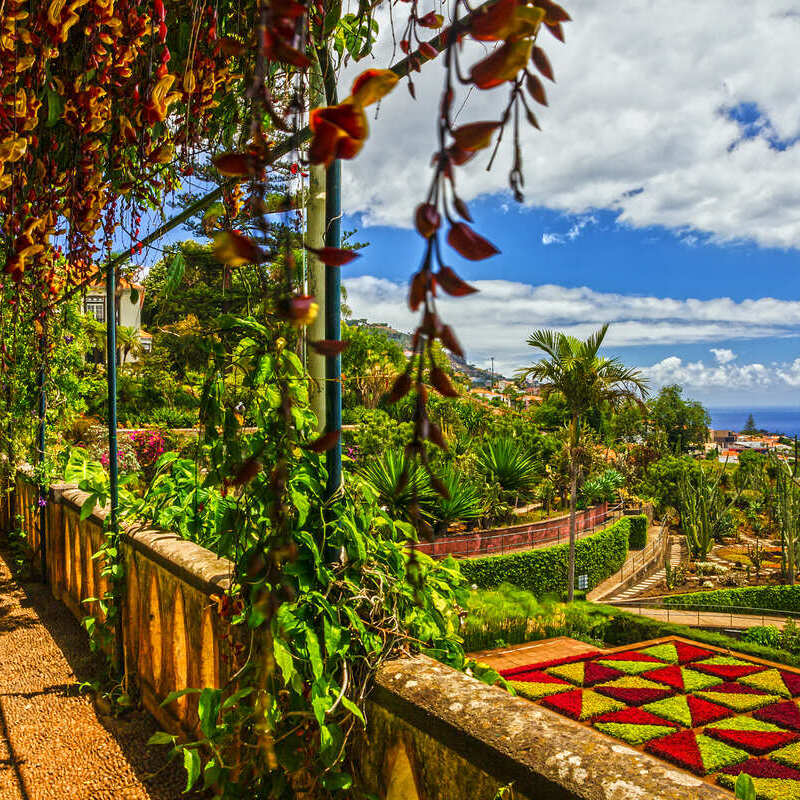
544 571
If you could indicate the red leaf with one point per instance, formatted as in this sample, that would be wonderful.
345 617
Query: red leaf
324 442
235 165
468 243
448 339
542 63
434 434
231 46
329 347
333 256
439 487
427 219
462 209
452 284
428 50
475 135
441 382
536 89
557 31
419 285
400 389
532 119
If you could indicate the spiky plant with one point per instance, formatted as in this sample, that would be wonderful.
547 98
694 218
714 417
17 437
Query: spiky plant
396 481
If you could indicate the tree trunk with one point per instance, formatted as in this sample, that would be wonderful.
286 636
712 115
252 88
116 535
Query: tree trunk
573 497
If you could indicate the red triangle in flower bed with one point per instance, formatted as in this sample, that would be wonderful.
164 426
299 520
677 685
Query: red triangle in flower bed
671 675
792 681
534 676
635 716
763 768
787 715
631 655
598 673
568 703
688 652
515 672
679 748
731 687
729 672
632 695
757 742
703 711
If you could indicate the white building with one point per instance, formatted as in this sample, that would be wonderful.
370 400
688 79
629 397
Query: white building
129 313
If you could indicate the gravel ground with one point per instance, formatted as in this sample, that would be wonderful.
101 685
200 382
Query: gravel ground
53 744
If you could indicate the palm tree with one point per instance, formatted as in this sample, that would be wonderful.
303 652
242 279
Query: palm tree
127 340
573 369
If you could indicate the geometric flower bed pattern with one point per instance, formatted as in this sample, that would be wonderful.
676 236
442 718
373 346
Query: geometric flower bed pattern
707 711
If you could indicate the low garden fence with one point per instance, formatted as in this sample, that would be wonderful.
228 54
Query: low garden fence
520 537
637 559
705 614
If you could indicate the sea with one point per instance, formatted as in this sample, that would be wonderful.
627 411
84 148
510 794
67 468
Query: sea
776 419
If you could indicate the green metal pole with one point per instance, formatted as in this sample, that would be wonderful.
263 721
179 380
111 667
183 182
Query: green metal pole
113 464
333 324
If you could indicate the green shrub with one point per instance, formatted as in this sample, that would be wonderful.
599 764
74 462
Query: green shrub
544 571
765 635
775 598
638 537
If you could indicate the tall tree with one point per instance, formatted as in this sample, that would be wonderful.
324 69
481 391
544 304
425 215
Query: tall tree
750 425
684 423
573 369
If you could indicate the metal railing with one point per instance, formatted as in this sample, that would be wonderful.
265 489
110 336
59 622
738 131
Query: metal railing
638 558
480 543
705 614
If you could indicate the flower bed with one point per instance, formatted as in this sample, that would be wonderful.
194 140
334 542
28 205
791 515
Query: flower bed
705 710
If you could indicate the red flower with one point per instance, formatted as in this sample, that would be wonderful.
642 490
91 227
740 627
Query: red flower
339 132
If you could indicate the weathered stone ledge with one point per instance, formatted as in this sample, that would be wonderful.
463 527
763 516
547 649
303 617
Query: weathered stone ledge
545 755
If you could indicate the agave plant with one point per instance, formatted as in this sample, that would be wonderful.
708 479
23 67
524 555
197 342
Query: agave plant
602 488
396 481
464 501
504 462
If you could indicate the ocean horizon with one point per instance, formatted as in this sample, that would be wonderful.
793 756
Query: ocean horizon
774 419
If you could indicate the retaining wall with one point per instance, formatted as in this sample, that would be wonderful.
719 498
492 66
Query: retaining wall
514 537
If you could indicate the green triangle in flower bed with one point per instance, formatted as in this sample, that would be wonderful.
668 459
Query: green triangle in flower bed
772 781
582 704
727 667
696 752
676 652
682 678
539 684
633 725
774 681
629 667
584 673
738 697
789 755
687 710
634 690
755 736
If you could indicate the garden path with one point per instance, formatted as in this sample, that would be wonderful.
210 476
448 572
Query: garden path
521 655
702 619
676 555
54 745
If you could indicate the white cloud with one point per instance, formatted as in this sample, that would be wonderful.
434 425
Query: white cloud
573 233
634 124
723 355
696 375
497 320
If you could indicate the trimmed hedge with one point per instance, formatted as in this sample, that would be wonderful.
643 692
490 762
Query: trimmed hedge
623 628
774 598
638 538
544 571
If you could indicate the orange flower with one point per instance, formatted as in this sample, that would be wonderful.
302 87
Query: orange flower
506 19
339 132
373 84
503 64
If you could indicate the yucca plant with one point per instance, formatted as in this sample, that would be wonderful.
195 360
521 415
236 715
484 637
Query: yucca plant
463 504
396 480
504 462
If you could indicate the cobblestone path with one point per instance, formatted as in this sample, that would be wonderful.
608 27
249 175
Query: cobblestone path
53 743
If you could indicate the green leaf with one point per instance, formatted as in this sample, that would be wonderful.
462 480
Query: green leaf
191 763
314 653
745 788
353 709
162 737
55 107
236 697
334 781
207 710
134 295
283 658
173 696
211 774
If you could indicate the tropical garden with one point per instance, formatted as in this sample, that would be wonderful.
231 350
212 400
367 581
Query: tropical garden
314 453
